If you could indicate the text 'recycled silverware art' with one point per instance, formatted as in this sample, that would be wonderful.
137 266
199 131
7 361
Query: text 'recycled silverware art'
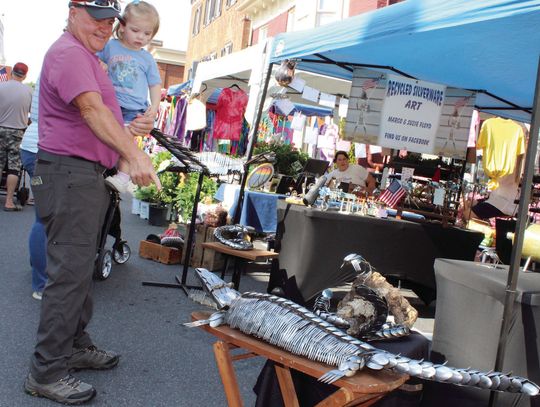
298 330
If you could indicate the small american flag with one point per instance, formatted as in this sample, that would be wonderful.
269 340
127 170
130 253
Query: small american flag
393 194
3 74
370 84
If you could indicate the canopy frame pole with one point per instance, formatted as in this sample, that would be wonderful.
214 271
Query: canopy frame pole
485 92
522 219
252 141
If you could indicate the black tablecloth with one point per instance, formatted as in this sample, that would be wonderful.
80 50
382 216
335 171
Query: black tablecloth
310 391
314 244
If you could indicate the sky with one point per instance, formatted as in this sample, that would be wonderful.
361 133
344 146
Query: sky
30 27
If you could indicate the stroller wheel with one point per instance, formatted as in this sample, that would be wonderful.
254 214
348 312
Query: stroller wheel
121 253
103 265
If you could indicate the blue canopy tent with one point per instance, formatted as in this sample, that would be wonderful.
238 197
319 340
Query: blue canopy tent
492 46
489 45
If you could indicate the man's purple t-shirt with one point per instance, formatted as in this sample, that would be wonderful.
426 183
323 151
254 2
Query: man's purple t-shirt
69 69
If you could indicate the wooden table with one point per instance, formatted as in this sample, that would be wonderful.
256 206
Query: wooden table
363 389
241 258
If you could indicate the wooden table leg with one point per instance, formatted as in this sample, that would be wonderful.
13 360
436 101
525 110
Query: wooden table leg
286 386
346 398
227 373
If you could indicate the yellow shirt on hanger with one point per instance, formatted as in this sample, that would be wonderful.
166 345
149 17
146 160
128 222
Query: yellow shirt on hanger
502 141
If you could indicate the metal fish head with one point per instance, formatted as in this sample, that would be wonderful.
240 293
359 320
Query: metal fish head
218 290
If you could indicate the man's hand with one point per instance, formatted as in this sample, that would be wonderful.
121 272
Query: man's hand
141 170
142 125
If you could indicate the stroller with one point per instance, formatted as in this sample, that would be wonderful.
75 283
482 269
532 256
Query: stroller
22 192
120 252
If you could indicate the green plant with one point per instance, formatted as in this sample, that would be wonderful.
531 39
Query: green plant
185 194
177 189
286 157
169 182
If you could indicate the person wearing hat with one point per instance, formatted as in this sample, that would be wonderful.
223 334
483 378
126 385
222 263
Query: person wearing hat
15 101
81 133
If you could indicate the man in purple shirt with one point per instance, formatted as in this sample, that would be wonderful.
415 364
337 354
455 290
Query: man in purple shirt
81 134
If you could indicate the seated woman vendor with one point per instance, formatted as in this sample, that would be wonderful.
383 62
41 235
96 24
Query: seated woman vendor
352 174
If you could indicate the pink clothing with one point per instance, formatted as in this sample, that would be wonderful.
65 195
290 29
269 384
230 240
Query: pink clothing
230 109
69 70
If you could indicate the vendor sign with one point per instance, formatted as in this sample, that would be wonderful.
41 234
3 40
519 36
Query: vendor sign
410 114
401 113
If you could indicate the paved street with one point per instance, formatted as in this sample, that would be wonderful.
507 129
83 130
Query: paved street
163 364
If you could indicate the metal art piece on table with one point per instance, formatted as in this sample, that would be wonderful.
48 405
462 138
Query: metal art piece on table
235 236
294 328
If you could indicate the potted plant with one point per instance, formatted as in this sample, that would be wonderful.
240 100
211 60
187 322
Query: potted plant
155 205
289 160
145 195
185 193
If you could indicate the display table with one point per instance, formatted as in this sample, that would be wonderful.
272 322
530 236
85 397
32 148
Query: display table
314 244
240 257
363 389
259 208
470 301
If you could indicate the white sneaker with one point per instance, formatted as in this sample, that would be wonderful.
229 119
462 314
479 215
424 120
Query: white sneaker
118 185
37 295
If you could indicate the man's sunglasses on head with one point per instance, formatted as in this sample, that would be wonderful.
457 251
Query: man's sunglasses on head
97 3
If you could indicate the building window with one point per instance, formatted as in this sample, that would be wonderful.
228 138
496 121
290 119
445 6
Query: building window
290 19
227 49
197 21
263 34
212 10
328 11
209 57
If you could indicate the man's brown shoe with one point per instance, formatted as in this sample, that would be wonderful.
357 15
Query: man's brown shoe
67 390
92 358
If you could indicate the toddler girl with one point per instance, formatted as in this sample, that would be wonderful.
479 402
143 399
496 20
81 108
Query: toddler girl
133 72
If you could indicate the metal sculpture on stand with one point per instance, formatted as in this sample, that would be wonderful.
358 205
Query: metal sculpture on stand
294 328
364 310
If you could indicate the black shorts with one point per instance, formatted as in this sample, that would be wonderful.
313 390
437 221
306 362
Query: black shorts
484 210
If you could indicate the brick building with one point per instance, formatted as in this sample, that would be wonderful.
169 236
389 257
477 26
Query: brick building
219 27
171 63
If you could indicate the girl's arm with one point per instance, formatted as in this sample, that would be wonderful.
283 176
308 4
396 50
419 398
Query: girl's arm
155 98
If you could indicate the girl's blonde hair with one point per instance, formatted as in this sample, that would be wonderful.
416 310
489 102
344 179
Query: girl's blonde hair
138 9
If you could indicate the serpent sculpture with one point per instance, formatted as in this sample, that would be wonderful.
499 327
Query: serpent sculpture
294 328
234 236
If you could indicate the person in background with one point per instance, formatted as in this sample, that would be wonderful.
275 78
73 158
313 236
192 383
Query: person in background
352 174
373 160
133 71
15 100
37 241
81 133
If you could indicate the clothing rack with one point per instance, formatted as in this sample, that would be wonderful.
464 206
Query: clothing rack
187 162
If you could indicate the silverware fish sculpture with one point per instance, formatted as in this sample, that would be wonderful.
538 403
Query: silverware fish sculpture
294 328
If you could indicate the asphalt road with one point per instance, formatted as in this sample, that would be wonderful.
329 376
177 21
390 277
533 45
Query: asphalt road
163 364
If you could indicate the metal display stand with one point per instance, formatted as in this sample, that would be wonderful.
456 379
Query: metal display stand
188 163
